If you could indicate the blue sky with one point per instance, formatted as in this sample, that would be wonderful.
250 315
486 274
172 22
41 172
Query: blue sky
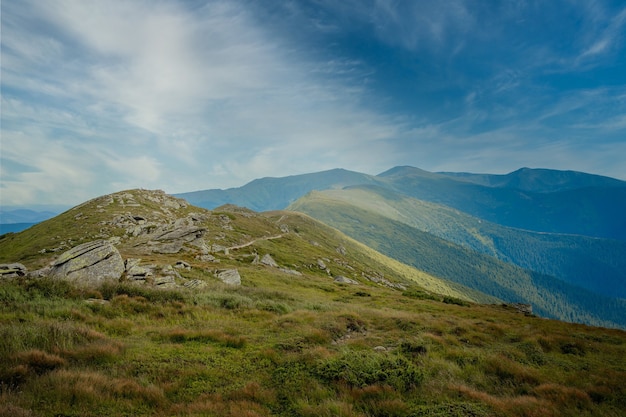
101 96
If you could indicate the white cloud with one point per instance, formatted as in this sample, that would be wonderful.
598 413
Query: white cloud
156 95
103 95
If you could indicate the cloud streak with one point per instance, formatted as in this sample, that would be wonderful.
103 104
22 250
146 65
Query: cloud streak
106 95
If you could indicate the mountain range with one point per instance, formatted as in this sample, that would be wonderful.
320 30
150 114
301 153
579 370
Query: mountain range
534 199
557 239
139 303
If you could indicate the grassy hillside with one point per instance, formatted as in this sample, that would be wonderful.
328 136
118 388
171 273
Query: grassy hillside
550 297
280 344
595 264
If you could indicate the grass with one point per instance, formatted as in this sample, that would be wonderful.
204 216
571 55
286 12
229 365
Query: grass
286 345
224 352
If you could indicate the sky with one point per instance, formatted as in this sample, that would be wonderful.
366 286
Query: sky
102 96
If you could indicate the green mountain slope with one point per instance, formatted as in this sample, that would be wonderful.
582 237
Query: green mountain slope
244 231
282 343
595 264
591 206
549 296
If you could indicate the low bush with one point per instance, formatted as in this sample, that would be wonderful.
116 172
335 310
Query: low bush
362 368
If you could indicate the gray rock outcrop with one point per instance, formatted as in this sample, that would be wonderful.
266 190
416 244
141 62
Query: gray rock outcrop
89 264
269 261
169 240
344 280
12 270
229 276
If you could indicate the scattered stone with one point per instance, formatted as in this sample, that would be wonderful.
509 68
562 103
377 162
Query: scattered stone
12 270
380 349
207 258
215 248
284 228
290 271
182 265
341 250
269 261
344 280
89 264
523 308
167 281
39 273
321 264
229 276
380 279
136 272
195 284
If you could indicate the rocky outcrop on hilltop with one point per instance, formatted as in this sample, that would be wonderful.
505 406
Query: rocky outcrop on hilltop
149 238
89 264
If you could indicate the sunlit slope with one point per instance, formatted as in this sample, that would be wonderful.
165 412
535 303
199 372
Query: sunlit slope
549 296
595 264
290 340
296 241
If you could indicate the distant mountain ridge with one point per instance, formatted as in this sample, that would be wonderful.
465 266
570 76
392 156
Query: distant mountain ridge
539 180
542 200
270 193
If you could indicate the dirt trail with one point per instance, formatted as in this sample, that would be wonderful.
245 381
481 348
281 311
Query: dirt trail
243 245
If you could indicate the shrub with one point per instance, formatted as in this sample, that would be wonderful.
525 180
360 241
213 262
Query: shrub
39 361
362 368
457 301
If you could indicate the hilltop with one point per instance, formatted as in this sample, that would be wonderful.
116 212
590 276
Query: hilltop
315 324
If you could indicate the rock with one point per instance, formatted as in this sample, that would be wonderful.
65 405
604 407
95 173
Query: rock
39 273
89 264
523 308
343 280
321 264
12 270
136 272
195 284
380 349
215 248
380 279
207 258
291 272
167 281
269 261
182 265
170 239
341 250
229 276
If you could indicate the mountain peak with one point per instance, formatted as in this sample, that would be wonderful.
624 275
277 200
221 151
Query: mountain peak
407 171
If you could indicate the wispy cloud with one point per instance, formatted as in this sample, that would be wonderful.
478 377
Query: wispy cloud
174 98
103 95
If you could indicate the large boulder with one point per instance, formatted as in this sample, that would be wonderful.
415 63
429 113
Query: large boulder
89 264
171 239
229 276
12 270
